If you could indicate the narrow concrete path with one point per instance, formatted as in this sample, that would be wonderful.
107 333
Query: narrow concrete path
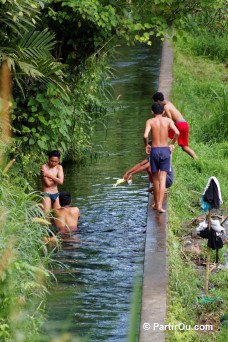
165 76
154 295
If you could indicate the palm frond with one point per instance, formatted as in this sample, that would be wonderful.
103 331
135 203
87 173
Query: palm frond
52 72
30 69
36 44
46 71
11 63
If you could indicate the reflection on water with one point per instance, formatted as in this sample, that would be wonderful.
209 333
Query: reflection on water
93 295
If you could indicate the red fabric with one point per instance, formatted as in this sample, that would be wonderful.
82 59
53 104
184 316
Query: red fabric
183 127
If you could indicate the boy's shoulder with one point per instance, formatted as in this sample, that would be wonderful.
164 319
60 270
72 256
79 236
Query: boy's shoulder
150 120
75 211
168 104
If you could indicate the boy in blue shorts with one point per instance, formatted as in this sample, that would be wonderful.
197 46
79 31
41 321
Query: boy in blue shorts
52 176
159 151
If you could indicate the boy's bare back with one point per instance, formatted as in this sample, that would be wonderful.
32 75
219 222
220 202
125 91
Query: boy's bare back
172 112
159 128
67 218
159 131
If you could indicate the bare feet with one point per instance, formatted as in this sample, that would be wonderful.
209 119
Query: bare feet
160 210
154 206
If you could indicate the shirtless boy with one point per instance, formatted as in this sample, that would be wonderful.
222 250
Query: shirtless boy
182 125
52 175
66 217
159 151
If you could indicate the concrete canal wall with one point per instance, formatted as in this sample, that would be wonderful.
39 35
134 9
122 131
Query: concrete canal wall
154 297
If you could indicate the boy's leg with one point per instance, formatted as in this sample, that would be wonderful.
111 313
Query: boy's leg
56 204
156 189
188 150
183 138
126 176
46 202
150 175
162 182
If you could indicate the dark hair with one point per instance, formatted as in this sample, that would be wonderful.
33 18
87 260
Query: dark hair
64 198
54 154
158 97
157 108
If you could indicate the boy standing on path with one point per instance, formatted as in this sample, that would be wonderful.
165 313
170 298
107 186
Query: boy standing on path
182 125
160 151
51 174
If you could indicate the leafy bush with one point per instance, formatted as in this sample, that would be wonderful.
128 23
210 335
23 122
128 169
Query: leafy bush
42 120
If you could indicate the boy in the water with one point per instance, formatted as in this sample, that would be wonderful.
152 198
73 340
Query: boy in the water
66 217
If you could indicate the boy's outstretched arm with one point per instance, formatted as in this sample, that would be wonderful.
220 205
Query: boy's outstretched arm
145 136
176 133
168 113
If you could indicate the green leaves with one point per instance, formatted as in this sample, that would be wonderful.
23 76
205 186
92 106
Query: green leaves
31 141
81 34
47 123
41 145
37 45
28 51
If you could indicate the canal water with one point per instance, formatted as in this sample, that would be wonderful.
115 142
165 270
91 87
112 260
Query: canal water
96 274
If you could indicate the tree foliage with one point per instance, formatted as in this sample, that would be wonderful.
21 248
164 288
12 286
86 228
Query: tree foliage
27 50
66 43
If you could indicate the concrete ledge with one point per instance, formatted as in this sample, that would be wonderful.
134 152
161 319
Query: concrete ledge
154 294
166 78
155 276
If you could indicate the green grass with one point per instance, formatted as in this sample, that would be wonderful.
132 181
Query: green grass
23 263
205 43
199 92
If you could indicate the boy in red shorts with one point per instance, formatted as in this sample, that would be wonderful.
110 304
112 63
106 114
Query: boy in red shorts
182 125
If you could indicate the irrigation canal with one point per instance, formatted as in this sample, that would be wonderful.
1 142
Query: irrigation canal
92 298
